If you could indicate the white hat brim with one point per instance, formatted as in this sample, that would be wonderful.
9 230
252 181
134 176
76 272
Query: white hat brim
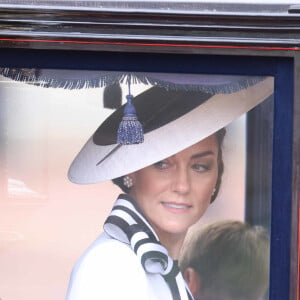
217 112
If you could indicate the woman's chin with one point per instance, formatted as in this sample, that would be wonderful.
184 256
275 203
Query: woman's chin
173 228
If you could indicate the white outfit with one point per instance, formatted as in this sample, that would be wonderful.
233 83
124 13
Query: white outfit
110 270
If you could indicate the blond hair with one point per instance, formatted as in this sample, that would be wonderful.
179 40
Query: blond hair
231 257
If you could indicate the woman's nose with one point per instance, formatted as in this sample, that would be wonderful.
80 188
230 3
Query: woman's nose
181 181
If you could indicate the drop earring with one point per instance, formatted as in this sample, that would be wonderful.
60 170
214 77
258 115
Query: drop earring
127 181
213 192
212 197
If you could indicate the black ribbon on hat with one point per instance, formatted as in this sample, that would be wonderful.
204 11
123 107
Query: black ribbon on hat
127 224
155 107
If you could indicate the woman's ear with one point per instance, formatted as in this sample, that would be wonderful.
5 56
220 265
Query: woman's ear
192 279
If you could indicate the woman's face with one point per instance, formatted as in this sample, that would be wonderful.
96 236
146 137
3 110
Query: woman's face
175 192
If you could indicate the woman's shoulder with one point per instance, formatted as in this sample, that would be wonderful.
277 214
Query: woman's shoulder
105 247
107 266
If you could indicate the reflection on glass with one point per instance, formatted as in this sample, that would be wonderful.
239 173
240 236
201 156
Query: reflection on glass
47 222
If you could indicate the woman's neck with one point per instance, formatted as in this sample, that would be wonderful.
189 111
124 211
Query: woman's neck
172 242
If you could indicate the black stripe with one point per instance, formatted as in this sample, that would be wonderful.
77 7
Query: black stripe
173 273
189 295
118 221
129 211
126 197
155 255
174 288
152 255
141 242
137 219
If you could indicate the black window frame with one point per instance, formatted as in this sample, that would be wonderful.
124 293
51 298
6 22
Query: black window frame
57 36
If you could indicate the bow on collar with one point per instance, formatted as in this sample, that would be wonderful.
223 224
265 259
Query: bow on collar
128 225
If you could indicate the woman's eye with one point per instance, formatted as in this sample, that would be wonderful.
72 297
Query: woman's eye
200 167
161 165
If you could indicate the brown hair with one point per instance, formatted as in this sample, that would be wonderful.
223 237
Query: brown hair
231 258
220 134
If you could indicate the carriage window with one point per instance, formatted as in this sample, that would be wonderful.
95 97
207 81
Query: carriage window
46 116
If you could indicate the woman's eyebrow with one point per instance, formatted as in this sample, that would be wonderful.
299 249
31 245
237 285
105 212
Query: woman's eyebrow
205 153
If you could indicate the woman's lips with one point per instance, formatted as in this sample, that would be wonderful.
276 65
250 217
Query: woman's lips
176 207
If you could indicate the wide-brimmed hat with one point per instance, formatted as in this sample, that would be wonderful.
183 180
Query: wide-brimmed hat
173 120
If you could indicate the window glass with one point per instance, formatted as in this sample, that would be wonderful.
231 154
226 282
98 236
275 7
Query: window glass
46 222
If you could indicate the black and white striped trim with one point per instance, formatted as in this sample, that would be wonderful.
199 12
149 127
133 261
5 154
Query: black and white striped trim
127 224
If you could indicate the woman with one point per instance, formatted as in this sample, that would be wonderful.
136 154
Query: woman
169 181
